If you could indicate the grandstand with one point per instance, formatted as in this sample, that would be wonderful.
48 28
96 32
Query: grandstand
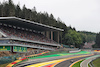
20 35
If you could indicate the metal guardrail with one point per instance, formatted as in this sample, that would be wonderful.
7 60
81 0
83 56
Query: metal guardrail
91 64
74 51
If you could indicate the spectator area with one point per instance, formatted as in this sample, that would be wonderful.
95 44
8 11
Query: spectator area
24 33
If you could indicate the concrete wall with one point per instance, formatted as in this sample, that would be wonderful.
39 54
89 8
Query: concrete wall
0 35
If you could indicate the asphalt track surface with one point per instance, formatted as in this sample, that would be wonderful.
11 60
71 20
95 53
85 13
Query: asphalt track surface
35 61
87 60
66 63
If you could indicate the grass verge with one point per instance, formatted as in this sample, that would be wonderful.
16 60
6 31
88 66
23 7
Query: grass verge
96 62
60 54
88 65
77 64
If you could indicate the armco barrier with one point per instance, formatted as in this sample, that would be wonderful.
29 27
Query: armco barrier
24 59
90 62
74 51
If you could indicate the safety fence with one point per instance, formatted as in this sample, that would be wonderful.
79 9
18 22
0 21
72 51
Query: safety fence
74 51
91 62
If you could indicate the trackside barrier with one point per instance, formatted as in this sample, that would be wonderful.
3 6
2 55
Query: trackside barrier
74 51
97 50
35 55
24 59
90 62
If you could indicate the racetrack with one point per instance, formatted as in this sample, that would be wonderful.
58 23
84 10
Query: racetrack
65 61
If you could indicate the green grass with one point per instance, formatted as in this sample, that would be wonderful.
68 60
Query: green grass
4 65
77 64
61 54
96 62
88 65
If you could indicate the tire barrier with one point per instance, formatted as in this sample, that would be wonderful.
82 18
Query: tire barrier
25 59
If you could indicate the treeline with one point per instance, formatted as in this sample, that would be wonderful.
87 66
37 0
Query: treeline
88 36
8 8
97 45
69 37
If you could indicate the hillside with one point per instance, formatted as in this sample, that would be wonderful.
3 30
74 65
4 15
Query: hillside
68 37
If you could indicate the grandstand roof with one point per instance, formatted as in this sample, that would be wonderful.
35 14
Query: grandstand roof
27 24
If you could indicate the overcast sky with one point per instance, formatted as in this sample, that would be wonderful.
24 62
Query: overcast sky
81 14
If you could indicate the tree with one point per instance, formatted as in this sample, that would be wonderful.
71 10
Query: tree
88 36
23 12
34 9
69 35
11 8
17 11
73 38
98 40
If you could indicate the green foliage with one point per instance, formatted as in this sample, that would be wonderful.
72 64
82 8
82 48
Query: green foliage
95 46
7 8
77 64
96 62
97 40
73 38
88 65
69 35
87 36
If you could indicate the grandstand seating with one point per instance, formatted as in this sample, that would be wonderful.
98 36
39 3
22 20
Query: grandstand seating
27 35
23 34
13 34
